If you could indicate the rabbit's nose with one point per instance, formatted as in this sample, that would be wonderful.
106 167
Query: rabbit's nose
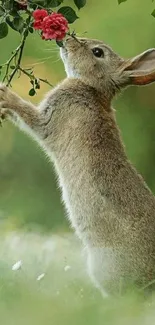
69 38
72 40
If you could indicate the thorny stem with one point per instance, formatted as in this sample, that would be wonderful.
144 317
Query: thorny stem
20 51
17 55
32 77
7 64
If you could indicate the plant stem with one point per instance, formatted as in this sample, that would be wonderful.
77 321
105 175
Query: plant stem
20 52
17 57
17 53
46 82
32 77
7 64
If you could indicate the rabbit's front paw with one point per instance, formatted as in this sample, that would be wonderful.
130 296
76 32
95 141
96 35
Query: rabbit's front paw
3 115
4 103
8 99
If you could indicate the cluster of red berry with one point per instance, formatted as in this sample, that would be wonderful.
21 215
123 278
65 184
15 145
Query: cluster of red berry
52 26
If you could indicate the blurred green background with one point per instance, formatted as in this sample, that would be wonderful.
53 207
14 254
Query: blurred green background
30 200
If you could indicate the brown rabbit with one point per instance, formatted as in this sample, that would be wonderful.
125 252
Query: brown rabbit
109 205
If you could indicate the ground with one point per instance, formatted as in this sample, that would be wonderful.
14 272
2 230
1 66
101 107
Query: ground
65 294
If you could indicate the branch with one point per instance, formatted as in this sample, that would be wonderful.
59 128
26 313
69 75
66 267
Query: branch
17 56
17 53
20 52
32 76
7 64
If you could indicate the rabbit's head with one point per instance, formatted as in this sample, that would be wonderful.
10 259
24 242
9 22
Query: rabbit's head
97 64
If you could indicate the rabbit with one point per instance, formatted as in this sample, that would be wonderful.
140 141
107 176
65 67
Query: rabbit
108 203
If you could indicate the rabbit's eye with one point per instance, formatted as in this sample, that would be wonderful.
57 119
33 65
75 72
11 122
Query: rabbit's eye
98 52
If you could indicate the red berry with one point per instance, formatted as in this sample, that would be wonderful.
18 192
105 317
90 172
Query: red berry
39 15
53 26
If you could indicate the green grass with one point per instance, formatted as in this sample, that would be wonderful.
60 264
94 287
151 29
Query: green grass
61 297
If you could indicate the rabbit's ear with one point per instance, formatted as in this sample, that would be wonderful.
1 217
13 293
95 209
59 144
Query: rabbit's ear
139 70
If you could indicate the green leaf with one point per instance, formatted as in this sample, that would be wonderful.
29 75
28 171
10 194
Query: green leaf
68 13
37 84
3 30
47 3
153 13
2 11
10 23
13 12
31 30
32 82
18 23
9 4
80 3
32 92
53 3
27 20
26 33
120 1
38 1
36 4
